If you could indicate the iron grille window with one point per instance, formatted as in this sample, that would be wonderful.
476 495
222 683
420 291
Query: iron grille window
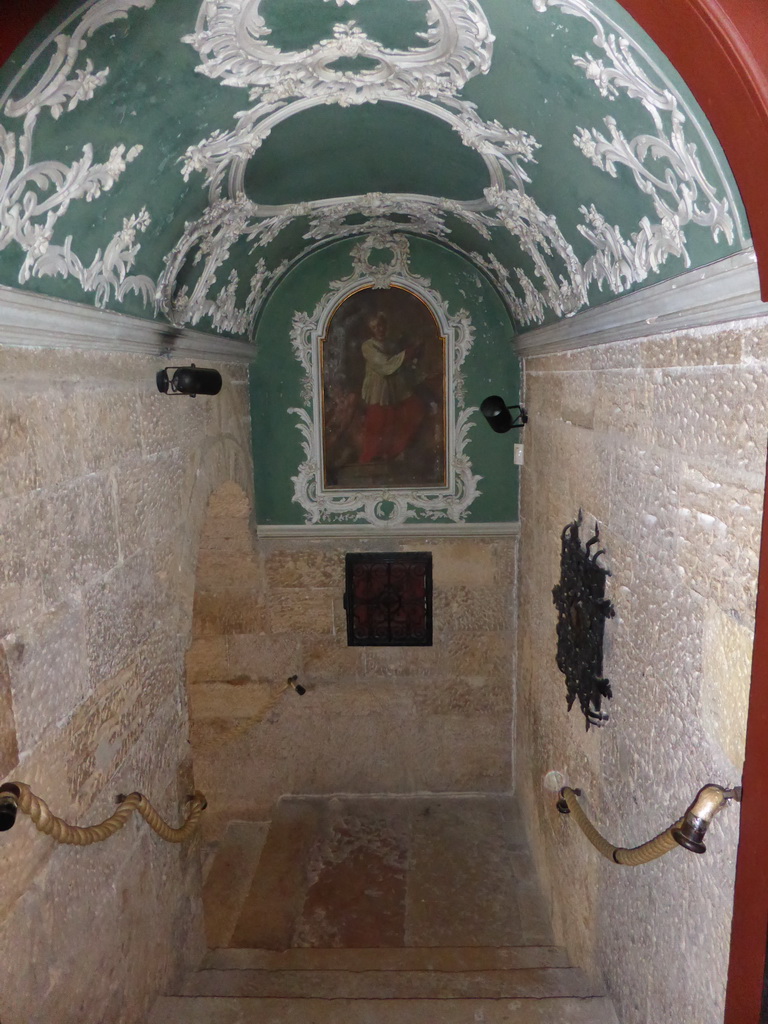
388 599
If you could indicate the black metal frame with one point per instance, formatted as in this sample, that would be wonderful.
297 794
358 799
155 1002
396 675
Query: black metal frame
389 616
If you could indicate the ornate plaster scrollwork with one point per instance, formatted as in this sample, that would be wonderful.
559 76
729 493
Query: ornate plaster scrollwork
540 237
387 505
664 164
529 309
231 36
206 243
34 195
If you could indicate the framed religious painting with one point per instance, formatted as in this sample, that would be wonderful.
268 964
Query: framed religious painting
383 378
384 423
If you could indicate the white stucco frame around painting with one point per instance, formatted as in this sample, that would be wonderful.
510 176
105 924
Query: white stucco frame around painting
385 506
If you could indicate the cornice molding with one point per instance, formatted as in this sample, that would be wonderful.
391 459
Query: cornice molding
363 531
29 320
721 292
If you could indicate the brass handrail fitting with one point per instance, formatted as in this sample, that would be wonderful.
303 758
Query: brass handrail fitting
706 804
688 831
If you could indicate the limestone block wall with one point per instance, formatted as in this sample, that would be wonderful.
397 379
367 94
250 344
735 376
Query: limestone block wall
663 442
104 486
373 720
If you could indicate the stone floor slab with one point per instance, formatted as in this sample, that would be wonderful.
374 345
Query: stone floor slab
462 879
275 900
201 1010
534 983
357 876
358 872
446 958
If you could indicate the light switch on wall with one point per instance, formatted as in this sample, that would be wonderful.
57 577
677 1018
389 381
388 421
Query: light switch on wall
518 455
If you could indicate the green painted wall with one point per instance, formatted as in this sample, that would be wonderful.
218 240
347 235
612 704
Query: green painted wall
276 378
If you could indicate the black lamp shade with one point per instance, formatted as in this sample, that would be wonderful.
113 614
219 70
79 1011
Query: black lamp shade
495 410
189 380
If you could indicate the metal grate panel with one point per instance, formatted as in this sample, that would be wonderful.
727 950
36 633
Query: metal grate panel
388 599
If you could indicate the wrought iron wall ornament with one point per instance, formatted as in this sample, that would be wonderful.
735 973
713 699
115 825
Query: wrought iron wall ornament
582 609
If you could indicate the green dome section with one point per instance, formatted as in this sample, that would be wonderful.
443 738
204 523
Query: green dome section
330 151
177 160
295 25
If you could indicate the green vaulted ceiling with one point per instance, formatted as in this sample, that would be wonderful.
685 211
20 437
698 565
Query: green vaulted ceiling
174 158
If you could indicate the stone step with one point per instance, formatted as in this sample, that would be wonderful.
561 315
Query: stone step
532 983
202 1010
432 958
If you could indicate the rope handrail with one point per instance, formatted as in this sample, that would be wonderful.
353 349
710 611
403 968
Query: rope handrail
17 796
688 831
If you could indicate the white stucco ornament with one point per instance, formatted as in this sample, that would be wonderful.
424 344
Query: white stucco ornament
233 39
664 165
390 506
232 36
35 194
664 162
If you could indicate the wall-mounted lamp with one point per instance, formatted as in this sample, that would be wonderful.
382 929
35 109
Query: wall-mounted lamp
189 380
498 414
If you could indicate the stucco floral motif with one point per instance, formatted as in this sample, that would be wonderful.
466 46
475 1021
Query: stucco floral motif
208 241
34 195
664 163
386 505
232 38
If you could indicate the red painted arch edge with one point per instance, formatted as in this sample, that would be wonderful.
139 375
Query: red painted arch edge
750 908
17 23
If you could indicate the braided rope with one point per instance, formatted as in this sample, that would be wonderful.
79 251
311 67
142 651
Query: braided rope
47 822
629 856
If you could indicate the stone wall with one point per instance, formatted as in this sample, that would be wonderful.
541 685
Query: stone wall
374 719
104 489
662 441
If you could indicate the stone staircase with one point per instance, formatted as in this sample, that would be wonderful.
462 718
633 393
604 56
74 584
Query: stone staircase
349 915
513 985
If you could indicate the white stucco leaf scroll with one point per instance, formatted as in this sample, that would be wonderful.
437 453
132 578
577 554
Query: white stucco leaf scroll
34 195
664 163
